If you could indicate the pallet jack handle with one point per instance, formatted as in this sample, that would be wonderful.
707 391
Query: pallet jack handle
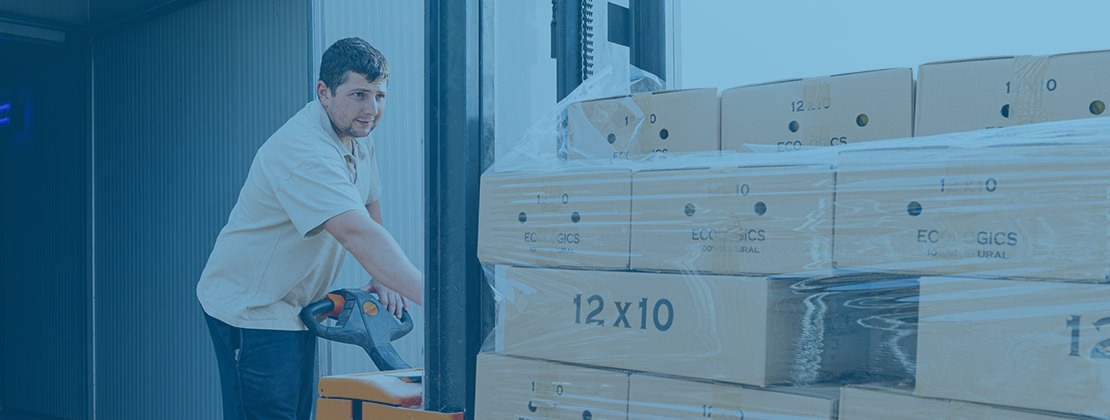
360 320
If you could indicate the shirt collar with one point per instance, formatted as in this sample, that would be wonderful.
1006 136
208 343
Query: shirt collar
325 123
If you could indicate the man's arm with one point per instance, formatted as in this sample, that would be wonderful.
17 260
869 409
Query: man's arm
375 210
377 252
393 302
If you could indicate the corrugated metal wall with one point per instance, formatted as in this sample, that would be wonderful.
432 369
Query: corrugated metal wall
397 29
182 102
45 250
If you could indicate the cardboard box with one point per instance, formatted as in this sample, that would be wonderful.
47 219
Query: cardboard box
653 397
893 327
757 220
1035 212
752 330
526 389
556 219
665 122
1031 344
991 92
794 114
962 95
893 402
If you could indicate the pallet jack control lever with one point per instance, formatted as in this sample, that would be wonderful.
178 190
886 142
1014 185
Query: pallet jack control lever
360 320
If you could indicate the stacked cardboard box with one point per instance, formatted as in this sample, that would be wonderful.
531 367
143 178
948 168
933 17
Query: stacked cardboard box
990 92
657 397
1033 344
716 272
795 114
789 329
662 123
556 219
538 389
1017 218
897 402
733 220
762 322
518 388
1006 212
728 279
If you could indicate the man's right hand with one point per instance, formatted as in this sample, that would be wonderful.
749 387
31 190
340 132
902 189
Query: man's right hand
378 253
394 303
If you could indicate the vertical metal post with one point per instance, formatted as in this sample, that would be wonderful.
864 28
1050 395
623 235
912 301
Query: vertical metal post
566 45
641 27
648 49
453 169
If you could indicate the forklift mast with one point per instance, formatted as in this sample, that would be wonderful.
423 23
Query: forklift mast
575 38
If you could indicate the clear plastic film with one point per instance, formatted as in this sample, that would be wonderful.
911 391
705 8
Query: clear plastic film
897 402
543 146
964 272
990 92
1027 94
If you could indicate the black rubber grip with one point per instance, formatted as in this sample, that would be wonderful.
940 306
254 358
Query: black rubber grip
309 313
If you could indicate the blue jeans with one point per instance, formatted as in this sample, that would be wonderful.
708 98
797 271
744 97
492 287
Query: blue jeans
264 374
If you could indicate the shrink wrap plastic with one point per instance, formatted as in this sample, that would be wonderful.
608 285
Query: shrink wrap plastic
968 267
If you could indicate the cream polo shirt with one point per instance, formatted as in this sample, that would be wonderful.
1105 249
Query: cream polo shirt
274 257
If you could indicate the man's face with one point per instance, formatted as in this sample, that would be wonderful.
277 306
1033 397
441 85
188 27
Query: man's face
356 107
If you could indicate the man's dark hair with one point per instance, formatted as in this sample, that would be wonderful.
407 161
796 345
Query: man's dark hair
352 54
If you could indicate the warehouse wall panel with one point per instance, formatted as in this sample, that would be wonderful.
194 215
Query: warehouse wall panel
182 102
45 250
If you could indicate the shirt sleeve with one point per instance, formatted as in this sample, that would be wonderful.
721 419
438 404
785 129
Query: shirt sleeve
315 191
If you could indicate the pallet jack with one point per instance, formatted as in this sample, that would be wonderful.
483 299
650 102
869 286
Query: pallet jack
394 393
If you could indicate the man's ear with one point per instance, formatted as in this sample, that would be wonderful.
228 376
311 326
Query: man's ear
322 91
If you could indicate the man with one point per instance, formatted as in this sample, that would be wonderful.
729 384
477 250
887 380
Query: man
311 192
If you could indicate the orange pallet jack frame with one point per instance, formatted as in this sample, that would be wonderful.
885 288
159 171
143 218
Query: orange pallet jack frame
394 393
